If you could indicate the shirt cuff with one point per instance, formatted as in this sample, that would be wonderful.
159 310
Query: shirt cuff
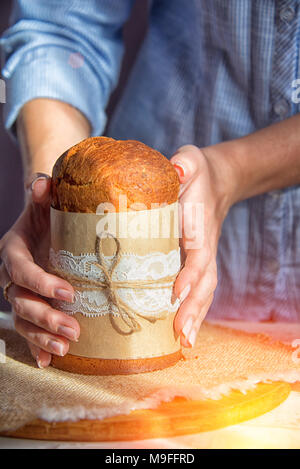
59 74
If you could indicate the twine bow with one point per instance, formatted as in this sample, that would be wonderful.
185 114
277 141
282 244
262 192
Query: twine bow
127 313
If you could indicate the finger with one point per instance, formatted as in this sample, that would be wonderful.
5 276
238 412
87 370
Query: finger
192 226
4 277
42 358
24 272
196 263
186 163
191 328
38 187
188 313
194 297
41 190
201 317
199 294
44 340
38 312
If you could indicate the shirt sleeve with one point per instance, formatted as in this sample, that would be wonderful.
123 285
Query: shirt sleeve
65 50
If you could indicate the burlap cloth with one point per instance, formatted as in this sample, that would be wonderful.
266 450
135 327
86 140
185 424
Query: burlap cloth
223 359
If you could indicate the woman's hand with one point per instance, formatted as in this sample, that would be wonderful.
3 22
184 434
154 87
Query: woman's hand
24 250
204 181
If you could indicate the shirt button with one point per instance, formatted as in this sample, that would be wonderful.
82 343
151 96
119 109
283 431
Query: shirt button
287 14
281 108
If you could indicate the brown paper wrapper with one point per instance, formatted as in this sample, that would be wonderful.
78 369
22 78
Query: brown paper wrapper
141 233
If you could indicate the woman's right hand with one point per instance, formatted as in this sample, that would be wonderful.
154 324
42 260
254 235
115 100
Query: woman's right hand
24 251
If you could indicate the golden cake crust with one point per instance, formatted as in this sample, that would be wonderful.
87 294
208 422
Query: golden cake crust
100 169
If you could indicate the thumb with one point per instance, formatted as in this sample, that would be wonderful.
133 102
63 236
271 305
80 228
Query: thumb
40 188
185 162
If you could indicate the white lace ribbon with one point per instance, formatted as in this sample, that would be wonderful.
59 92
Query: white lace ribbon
132 267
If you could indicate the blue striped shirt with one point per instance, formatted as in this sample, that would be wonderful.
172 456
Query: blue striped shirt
207 71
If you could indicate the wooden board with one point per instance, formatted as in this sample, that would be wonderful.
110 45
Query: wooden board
179 417
295 387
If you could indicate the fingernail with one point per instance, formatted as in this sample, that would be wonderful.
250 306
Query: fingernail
180 168
68 332
39 184
184 293
40 364
193 336
57 347
64 295
29 182
187 327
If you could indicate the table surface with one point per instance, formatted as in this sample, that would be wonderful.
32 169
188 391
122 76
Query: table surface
279 428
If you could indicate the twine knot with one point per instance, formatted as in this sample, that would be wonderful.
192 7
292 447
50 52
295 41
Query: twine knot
128 314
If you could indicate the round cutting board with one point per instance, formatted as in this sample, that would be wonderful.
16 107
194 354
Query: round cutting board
178 417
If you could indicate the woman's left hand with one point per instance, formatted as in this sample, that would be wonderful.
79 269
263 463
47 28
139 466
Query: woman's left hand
206 184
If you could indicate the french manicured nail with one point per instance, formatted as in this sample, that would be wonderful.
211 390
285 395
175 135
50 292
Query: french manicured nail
184 293
57 347
187 327
29 183
68 332
193 336
64 295
39 184
180 168
40 364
